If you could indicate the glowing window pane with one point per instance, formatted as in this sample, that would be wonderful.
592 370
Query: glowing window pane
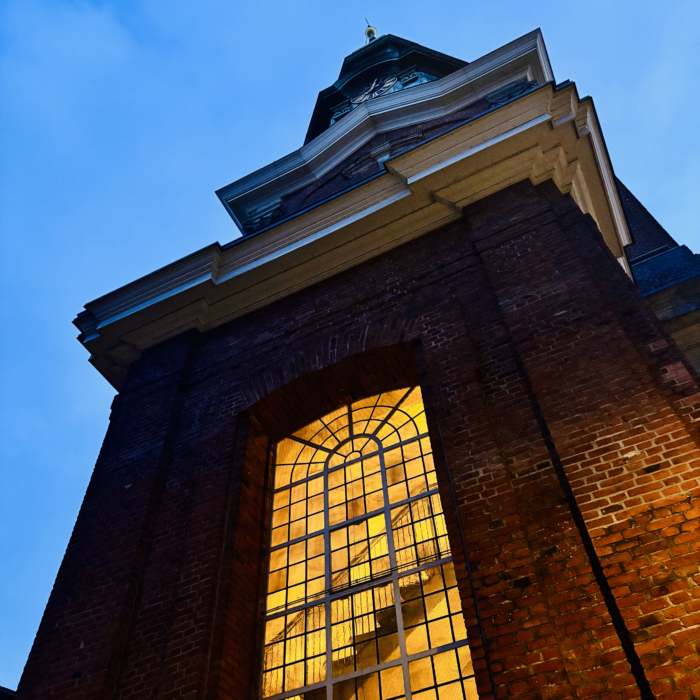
362 600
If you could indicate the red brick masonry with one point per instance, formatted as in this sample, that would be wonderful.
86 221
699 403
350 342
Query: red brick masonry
565 413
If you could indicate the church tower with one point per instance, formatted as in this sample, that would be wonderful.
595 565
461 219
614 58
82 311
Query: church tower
415 435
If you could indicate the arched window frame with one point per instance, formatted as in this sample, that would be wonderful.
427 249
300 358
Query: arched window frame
345 449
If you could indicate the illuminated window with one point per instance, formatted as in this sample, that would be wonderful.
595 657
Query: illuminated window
362 601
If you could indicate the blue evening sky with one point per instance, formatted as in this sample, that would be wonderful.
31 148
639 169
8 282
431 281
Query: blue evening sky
119 119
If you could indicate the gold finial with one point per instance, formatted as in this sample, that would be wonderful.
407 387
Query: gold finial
370 32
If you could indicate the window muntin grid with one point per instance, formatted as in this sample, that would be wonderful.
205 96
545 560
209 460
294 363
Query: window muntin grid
360 578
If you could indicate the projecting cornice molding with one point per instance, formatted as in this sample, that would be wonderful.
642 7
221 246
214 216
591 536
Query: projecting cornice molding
547 133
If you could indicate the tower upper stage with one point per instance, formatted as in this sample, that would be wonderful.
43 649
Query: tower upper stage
400 145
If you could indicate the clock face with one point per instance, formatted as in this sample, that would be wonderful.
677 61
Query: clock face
378 87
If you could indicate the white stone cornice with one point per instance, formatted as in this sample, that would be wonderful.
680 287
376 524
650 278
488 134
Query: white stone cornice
537 136
587 125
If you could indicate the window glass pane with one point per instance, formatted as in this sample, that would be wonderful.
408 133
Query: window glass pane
364 629
445 675
297 573
295 650
419 532
359 552
360 576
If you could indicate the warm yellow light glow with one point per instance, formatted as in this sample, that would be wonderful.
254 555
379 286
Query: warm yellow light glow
362 600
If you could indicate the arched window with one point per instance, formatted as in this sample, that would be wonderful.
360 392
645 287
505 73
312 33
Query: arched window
362 601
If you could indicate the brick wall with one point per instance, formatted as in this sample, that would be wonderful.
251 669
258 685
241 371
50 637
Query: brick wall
563 423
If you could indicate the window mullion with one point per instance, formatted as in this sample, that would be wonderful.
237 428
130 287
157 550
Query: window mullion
329 580
395 576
